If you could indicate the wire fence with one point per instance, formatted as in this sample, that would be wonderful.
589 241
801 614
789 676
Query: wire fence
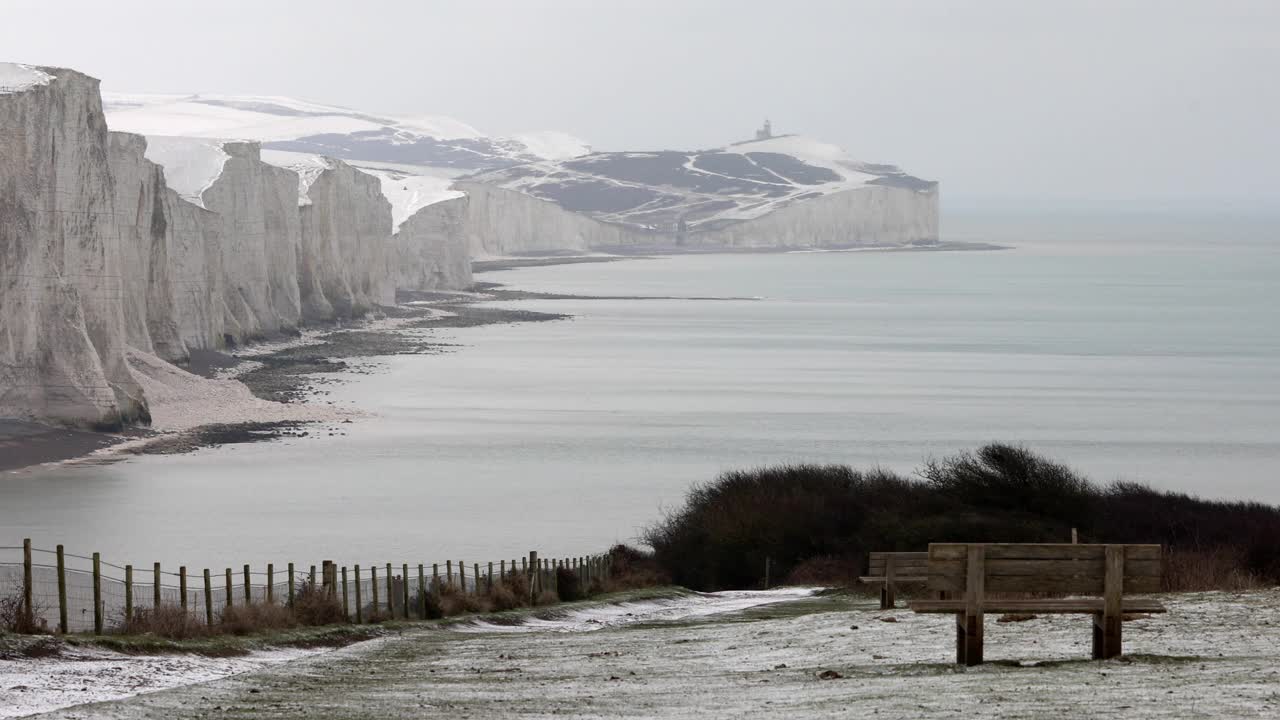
64 592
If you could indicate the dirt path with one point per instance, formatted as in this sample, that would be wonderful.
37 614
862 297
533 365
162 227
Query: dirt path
1215 655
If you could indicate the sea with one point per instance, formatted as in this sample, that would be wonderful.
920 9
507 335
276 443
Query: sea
1129 348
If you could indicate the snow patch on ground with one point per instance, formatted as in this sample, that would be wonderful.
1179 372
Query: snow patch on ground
84 675
553 144
685 607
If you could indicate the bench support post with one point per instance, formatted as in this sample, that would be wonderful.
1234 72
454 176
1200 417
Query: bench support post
889 590
969 623
1107 627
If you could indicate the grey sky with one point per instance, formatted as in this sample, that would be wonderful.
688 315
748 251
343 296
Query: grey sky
1143 104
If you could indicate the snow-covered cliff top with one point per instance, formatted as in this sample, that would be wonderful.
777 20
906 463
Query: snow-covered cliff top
282 123
307 167
16 78
190 165
410 193
701 189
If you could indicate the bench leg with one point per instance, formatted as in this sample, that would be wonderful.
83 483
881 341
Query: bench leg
1107 632
886 598
969 639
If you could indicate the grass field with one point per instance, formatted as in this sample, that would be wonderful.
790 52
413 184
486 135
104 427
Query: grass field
1215 655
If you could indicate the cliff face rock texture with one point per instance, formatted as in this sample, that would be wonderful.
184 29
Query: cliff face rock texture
510 222
62 328
432 250
145 231
346 256
253 211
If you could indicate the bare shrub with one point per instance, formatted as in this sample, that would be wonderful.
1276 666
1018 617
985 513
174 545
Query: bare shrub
453 601
166 621
631 568
1221 568
826 570
14 616
548 597
313 605
255 617
503 597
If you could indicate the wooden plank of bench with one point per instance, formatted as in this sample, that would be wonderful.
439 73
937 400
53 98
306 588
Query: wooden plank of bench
1051 606
1067 584
1040 551
870 580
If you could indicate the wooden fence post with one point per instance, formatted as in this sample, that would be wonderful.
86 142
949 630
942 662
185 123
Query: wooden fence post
533 577
229 596
182 586
128 594
28 585
404 584
391 595
326 582
346 604
291 588
448 573
271 579
373 580
475 579
502 571
462 577
359 608
62 592
97 594
313 577
435 579
248 587
208 598
490 583
422 592
155 587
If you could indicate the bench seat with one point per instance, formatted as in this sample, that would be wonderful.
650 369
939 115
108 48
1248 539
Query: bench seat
1129 605
899 578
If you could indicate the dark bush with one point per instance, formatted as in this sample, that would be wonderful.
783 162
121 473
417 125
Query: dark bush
818 523
569 585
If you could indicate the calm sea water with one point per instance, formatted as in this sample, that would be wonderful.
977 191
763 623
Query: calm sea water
1128 349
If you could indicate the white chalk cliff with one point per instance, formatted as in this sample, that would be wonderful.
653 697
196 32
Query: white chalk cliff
226 219
62 299
772 192
119 251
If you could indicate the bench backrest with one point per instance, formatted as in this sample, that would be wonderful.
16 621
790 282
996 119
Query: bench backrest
1047 568
904 563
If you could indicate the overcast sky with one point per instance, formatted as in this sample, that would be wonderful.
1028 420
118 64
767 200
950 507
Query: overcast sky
1143 104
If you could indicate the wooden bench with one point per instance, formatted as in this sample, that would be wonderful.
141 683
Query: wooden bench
887 569
972 570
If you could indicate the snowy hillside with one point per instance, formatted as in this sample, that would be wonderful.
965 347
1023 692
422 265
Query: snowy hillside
282 123
702 190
